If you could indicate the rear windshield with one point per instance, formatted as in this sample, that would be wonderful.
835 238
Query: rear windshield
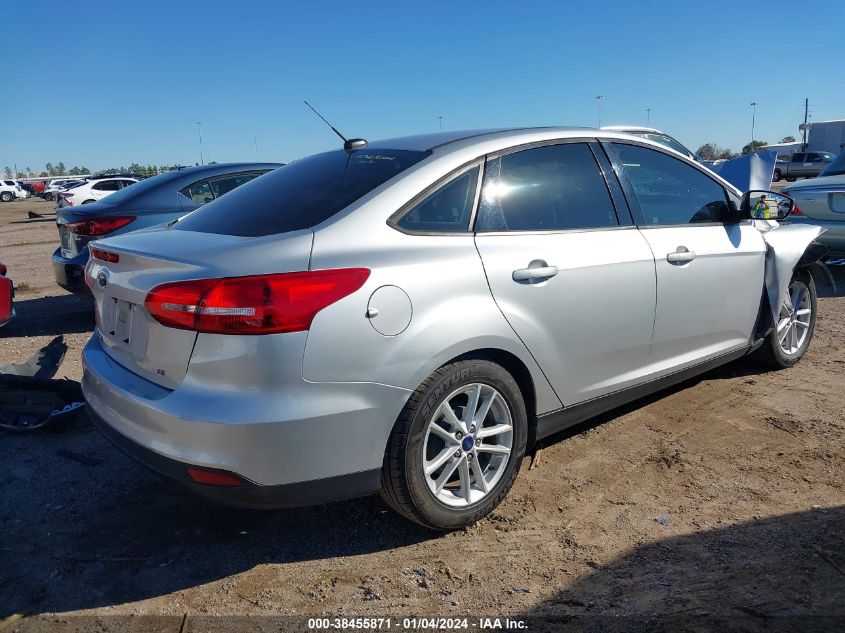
836 168
300 195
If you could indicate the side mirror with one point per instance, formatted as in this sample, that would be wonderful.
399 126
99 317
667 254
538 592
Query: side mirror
765 205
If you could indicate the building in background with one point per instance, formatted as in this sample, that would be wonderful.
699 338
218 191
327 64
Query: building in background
827 136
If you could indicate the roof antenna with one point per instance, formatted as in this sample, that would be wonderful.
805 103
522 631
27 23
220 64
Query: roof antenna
348 144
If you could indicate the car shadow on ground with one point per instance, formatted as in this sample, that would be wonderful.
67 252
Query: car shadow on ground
85 527
837 271
50 316
780 573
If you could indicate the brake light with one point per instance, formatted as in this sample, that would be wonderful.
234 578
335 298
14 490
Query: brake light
99 226
105 256
259 304
796 210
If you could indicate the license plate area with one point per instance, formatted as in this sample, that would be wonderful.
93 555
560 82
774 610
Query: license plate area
64 236
124 326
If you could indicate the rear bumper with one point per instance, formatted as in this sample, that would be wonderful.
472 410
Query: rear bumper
298 444
250 495
70 273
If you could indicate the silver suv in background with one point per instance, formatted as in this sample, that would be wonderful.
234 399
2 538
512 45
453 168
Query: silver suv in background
405 317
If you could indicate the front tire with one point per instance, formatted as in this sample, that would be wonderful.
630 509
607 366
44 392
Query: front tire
89 202
6 196
776 176
787 343
457 446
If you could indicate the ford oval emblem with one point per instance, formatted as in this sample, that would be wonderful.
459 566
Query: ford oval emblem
102 280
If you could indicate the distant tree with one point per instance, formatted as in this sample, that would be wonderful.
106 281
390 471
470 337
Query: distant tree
61 168
43 174
753 146
50 169
8 172
707 151
726 154
29 172
787 139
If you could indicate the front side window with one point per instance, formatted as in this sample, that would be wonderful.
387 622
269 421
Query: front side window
668 190
107 185
301 194
551 188
447 209
798 158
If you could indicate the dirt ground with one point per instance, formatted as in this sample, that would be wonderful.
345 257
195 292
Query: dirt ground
722 498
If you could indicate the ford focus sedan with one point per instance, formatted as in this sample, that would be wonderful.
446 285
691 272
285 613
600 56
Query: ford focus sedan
406 317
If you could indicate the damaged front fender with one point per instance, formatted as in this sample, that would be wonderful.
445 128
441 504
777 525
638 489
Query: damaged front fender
786 247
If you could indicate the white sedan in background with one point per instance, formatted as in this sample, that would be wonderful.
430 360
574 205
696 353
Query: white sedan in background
93 190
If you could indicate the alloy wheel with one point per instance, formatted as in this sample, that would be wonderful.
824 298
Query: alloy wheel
467 445
794 319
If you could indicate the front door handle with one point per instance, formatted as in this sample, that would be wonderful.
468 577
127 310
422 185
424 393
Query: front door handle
534 273
681 255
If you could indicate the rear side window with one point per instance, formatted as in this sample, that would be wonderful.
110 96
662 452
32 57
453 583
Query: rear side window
668 190
300 195
445 210
199 192
798 158
107 185
225 184
552 188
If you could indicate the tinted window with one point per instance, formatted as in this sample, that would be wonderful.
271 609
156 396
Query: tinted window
446 210
199 192
301 194
225 184
798 158
126 183
551 188
107 185
814 158
9 182
668 190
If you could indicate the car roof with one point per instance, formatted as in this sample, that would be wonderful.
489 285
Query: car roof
632 128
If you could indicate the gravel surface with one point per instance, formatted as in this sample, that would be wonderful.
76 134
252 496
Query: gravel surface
722 497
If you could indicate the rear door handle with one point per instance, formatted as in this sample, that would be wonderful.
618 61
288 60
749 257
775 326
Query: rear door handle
681 255
529 274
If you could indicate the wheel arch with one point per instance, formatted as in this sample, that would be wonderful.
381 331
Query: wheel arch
520 373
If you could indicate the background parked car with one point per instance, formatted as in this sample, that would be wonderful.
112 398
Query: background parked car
10 190
821 201
802 165
7 295
26 186
53 187
92 190
156 200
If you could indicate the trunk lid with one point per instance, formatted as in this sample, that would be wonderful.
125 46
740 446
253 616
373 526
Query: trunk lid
148 258
821 198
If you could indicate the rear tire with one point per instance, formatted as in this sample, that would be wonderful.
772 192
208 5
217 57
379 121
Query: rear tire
444 468
787 343
790 179
776 176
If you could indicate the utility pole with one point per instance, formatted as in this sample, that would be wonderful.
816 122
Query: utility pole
440 118
255 139
806 114
753 104
648 117
199 131
599 99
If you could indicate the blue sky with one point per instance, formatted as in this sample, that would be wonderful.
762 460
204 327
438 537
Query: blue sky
103 84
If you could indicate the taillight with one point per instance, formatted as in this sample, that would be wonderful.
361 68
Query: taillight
99 226
796 210
260 304
105 256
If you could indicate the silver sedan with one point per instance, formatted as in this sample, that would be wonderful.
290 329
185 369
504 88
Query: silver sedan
408 316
